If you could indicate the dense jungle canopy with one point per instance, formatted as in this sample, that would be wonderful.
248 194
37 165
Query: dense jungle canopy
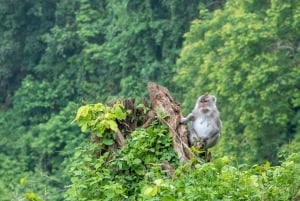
61 61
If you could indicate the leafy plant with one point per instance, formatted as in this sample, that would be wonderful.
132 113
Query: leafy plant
118 174
101 120
134 171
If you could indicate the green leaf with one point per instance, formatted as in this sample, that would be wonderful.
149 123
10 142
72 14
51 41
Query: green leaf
168 198
140 170
120 114
158 182
22 180
107 141
113 125
110 116
100 130
84 127
149 191
83 111
99 106
137 161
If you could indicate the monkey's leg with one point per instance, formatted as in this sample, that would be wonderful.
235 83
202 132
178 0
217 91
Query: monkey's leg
210 142
193 138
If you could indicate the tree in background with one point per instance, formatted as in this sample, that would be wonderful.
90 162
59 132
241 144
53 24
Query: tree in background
22 26
114 48
56 54
247 55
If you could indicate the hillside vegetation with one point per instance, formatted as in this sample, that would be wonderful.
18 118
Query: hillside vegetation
60 56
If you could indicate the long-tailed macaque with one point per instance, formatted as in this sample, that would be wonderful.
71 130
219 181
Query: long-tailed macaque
206 123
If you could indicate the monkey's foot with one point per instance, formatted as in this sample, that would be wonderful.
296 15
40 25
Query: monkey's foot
199 145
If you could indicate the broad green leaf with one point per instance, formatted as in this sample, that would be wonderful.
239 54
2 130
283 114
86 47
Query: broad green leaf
149 191
110 116
84 127
120 114
137 161
140 170
107 141
168 198
100 130
98 106
82 112
158 182
113 125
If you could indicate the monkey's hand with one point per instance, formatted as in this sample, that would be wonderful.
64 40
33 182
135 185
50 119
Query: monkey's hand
190 117
183 120
199 145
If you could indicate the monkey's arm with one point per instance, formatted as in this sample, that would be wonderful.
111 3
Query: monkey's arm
219 123
190 117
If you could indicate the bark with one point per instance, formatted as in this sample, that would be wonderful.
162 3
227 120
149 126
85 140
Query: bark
161 99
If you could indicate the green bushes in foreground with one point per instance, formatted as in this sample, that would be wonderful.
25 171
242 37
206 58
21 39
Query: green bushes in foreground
134 171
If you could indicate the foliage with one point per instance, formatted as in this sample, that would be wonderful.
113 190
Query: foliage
244 56
134 172
4 192
100 119
115 47
116 175
40 155
35 99
21 47
220 181
56 55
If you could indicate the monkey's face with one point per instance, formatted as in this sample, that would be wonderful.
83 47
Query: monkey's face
206 103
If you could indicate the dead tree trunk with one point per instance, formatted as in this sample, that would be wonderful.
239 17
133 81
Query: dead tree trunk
161 99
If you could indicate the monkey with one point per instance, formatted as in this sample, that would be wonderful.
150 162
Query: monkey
206 122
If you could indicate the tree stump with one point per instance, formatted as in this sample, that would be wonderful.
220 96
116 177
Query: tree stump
162 100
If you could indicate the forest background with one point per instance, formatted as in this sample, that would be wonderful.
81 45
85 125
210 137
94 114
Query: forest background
57 55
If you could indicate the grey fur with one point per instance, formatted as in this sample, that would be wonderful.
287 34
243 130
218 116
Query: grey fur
206 122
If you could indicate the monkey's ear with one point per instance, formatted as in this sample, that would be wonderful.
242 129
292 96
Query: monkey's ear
214 99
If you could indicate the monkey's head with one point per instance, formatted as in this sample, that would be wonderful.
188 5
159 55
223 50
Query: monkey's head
206 103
